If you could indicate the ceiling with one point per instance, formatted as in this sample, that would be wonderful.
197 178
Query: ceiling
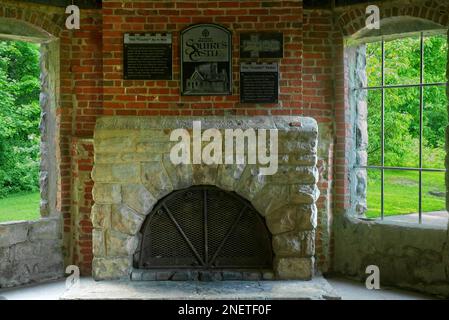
328 3
89 4
84 4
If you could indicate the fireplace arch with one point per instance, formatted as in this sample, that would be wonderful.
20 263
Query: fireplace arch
206 228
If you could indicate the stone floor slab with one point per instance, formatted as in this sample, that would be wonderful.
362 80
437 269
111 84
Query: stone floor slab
316 289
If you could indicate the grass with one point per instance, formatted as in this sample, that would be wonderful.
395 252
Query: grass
20 206
401 190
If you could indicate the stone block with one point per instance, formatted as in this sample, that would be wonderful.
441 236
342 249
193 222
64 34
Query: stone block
5 254
164 275
113 144
125 173
45 229
251 182
111 268
294 268
181 175
13 232
101 215
106 193
307 215
98 243
295 174
268 275
296 243
155 179
136 197
185 276
271 198
204 174
298 159
252 276
149 275
228 175
126 220
232 275
119 244
282 219
304 194
137 275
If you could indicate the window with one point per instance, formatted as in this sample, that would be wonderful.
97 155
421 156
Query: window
407 116
19 131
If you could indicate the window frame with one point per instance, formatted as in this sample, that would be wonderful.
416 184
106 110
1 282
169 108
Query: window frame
382 87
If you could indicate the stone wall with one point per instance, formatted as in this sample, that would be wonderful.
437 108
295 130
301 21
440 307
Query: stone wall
30 251
132 171
407 256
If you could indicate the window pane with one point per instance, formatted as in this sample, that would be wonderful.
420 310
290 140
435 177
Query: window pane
401 192
402 61
374 123
374 64
433 192
373 194
435 58
434 126
434 199
402 127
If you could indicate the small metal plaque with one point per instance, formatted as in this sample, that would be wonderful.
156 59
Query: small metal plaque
147 56
259 82
206 60
262 45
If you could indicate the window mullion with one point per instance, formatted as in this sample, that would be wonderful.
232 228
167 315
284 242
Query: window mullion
421 109
382 128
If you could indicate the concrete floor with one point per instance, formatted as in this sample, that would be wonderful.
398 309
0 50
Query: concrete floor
347 289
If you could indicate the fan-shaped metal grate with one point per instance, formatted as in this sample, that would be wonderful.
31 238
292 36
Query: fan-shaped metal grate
204 227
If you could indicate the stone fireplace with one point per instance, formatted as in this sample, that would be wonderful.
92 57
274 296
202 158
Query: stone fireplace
154 220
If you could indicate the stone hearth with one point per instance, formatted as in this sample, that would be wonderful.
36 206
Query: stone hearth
133 171
316 289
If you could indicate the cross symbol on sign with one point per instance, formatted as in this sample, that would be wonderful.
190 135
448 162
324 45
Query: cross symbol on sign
255 45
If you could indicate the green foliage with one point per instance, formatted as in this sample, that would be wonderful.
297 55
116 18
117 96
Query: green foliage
402 66
19 117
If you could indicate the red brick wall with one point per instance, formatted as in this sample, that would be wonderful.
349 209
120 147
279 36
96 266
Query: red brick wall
81 102
81 194
318 102
129 97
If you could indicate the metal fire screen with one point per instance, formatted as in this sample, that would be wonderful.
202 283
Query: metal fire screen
204 227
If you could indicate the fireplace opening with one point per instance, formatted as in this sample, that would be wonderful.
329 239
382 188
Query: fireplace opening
205 228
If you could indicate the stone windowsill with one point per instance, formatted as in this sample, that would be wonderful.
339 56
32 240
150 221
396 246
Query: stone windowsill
405 225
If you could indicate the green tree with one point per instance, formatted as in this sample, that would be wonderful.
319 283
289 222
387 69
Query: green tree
19 117
402 66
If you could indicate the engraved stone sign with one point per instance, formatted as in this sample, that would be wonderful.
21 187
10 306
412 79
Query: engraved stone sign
206 60
259 83
147 56
262 45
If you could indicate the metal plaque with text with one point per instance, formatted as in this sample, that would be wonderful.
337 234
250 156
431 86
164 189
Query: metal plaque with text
147 56
206 60
259 82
